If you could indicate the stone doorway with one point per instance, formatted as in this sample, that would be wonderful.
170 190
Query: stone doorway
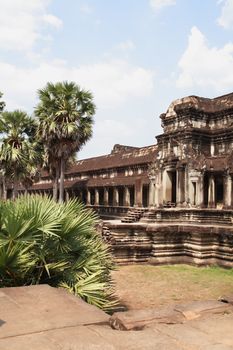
219 190
84 196
170 194
194 192
121 196
110 196
101 196
145 196
206 184
92 191
131 191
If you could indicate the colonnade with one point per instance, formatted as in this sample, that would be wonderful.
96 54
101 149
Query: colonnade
113 196
180 186
184 187
127 196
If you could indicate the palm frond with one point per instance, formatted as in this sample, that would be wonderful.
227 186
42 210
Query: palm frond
42 241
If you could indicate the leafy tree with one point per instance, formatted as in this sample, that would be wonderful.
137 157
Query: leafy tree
19 154
2 103
2 179
65 114
42 241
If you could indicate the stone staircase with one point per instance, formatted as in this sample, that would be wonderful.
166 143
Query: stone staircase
106 234
134 215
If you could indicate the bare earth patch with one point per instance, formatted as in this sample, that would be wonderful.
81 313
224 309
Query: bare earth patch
145 286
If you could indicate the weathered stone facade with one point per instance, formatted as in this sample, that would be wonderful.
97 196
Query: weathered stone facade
172 242
194 162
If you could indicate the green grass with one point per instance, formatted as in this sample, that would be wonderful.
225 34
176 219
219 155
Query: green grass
145 285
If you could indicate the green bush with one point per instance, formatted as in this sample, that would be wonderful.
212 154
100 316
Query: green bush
42 241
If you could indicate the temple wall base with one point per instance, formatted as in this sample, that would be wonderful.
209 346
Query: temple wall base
171 244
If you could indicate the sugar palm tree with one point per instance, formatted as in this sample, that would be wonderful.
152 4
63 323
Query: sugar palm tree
65 114
2 103
2 178
18 151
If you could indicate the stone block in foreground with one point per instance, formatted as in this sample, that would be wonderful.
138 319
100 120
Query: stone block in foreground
33 309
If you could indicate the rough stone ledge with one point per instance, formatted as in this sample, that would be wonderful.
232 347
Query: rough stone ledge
227 299
176 314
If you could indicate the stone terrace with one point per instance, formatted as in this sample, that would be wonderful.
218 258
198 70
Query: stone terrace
41 317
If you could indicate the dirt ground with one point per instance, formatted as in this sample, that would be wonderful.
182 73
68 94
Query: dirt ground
145 286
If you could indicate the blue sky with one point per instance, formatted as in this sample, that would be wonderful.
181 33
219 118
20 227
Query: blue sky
136 56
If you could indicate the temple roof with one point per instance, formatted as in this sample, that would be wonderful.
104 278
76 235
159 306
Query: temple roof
208 105
125 156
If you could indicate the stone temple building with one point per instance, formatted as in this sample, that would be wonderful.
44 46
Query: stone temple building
174 198
189 166
193 167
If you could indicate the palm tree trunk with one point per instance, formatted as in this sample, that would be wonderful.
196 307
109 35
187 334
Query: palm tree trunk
62 178
55 184
4 188
14 190
1 189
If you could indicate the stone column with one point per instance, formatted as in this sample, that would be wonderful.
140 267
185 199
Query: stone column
138 193
97 196
126 200
187 194
159 191
88 197
227 191
67 195
200 191
152 192
115 197
211 192
180 186
106 199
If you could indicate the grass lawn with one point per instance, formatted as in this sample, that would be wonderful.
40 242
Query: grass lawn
144 286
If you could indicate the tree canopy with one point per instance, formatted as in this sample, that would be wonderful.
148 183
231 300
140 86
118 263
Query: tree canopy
65 119
18 151
62 124
2 103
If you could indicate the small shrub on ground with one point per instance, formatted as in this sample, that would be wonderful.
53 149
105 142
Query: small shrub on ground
42 241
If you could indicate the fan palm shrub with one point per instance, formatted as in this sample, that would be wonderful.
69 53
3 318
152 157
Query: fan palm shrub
42 241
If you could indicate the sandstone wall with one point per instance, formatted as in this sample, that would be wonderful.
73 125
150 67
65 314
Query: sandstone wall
171 243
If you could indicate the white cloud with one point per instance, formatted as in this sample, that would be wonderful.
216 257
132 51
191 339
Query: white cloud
126 45
112 82
52 20
226 18
206 67
118 88
22 22
158 4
